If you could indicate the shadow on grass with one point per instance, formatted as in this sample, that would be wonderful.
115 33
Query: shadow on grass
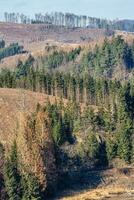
76 175
77 181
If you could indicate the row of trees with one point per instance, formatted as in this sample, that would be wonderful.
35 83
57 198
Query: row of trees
82 89
70 20
17 18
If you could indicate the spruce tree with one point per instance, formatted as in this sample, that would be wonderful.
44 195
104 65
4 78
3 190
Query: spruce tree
93 146
125 142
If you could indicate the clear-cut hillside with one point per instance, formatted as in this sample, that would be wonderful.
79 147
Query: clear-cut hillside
27 33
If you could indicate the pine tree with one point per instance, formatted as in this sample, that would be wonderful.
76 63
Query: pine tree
111 148
93 146
125 142
57 132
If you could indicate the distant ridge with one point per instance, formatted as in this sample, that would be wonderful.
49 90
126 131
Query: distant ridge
70 20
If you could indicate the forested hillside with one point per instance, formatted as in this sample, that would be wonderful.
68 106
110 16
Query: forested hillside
89 125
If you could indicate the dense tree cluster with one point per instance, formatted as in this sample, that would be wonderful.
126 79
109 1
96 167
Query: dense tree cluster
104 59
114 119
10 50
61 122
58 58
2 44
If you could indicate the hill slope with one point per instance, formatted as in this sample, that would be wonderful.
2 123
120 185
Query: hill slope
27 33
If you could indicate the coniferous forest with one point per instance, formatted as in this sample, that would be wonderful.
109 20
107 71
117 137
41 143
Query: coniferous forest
12 49
94 106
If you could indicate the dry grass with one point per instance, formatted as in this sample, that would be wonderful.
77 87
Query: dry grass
100 194
128 37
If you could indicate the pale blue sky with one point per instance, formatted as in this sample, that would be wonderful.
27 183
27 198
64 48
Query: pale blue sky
111 9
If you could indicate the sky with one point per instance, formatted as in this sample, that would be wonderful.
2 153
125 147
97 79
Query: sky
111 9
